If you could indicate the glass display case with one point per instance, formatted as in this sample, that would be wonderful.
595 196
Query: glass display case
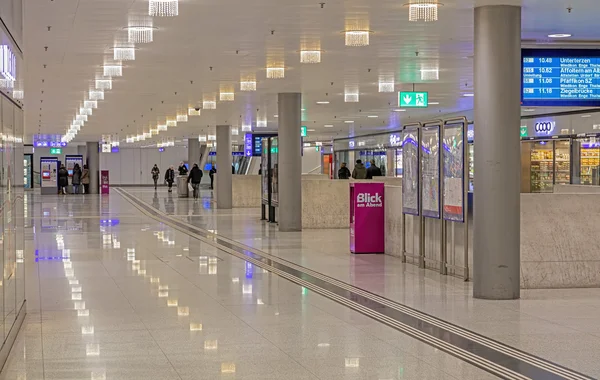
471 167
589 163
550 164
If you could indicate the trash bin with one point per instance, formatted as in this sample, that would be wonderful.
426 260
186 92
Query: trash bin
182 187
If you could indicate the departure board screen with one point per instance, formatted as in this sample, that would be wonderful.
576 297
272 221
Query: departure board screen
560 77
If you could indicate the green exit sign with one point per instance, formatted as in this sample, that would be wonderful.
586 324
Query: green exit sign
303 131
523 131
412 99
55 151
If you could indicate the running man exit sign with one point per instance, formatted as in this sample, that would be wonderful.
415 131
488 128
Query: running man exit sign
412 99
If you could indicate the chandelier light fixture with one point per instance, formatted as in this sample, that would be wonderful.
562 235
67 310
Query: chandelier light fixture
310 56
430 73
209 104
103 84
85 111
171 123
182 118
7 83
248 85
113 70
357 37
246 128
351 95
163 8
275 72
90 104
261 123
162 127
202 138
423 10
212 137
386 85
235 131
226 96
121 53
83 118
140 34
194 112
18 94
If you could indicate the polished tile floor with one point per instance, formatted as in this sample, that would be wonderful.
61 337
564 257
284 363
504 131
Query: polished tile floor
115 294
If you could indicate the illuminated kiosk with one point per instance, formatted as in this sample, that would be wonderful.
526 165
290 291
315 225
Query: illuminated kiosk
367 217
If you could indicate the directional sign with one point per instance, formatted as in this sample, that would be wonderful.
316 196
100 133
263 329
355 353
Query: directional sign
524 131
413 99
55 151
303 131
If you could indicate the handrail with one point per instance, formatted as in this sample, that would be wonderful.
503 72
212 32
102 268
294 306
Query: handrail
315 169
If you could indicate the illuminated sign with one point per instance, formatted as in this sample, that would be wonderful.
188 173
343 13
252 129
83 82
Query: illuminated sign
303 131
523 131
55 151
49 144
351 144
8 63
413 99
395 139
544 128
248 144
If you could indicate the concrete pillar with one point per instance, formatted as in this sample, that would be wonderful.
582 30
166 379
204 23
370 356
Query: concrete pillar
224 191
193 151
290 162
93 162
496 250
82 149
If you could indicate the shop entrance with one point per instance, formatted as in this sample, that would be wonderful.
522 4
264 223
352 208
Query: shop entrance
545 163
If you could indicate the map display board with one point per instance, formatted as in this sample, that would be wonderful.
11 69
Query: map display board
264 171
454 172
410 177
560 77
430 171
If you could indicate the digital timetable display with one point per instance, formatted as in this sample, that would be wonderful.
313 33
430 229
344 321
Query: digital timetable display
560 77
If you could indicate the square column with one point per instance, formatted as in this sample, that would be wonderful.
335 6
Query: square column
93 163
290 162
497 225
193 152
224 191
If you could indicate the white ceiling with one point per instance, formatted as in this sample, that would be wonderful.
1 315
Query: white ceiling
234 37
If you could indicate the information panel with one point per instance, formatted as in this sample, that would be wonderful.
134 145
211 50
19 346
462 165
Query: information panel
430 171
410 177
454 172
264 172
274 171
560 77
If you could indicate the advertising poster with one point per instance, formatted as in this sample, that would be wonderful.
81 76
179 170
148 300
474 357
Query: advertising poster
410 177
264 171
275 172
454 171
430 171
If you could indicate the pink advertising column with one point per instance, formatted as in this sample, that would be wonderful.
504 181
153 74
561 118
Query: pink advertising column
367 218
104 182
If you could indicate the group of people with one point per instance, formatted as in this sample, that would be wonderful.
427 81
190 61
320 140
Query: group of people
360 171
78 178
194 176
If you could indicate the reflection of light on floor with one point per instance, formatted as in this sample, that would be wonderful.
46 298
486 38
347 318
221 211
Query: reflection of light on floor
19 256
212 269
227 367
68 265
73 282
235 280
259 302
163 287
323 345
195 326
83 313
76 289
352 362
247 289
79 305
154 280
98 375
163 294
87 330
183 311
92 349
211 345
76 296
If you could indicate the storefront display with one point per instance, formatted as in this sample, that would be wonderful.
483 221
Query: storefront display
545 163
590 163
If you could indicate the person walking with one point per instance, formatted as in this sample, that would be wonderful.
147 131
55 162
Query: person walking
76 179
183 170
170 178
155 173
211 174
373 171
195 177
63 179
85 179
359 172
344 172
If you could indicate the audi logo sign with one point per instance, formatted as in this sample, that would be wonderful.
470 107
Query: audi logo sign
544 128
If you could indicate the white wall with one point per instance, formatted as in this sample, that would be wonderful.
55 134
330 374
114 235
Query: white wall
132 166
311 160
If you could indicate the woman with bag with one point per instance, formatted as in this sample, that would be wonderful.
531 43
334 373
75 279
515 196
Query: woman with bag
85 179
76 179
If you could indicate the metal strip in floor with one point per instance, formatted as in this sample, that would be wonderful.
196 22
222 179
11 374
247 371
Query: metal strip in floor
492 356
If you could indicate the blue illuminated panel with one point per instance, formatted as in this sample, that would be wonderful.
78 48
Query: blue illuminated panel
560 77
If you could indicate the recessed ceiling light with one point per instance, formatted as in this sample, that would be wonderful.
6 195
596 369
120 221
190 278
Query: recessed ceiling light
372 116
328 126
528 109
468 95
586 115
401 110
349 121
559 35
323 102
434 103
